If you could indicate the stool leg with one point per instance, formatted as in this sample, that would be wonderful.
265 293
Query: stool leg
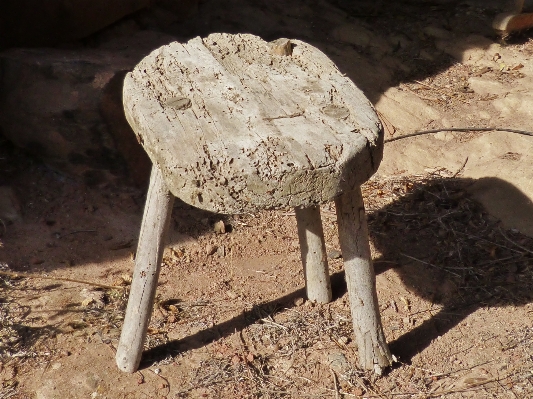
156 220
374 353
313 249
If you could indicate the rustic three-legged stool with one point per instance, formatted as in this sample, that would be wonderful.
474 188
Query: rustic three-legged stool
234 124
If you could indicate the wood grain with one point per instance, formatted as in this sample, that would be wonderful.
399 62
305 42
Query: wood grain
156 220
314 256
374 354
235 128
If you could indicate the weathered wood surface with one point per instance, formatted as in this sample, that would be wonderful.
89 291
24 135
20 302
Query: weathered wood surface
235 126
156 220
314 256
374 354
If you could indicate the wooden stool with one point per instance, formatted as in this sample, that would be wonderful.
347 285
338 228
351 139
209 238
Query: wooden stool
234 124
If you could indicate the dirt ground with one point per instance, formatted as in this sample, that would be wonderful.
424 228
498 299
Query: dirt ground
450 215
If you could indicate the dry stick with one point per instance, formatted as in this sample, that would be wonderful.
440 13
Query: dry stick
335 385
460 169
490 242
140 380
514 243
383 118
429 264
71 280
164 379
461 129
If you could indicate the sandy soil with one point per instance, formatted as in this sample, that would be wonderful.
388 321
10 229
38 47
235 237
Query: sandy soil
450 216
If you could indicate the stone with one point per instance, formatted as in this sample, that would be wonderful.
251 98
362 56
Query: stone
299 301
484 115
426 55
437 33
470 51
486 87
405 111
334 254
210 249
91 297
9 206
514 103
65 106
444 136
338 362
353 34
38 23
359 36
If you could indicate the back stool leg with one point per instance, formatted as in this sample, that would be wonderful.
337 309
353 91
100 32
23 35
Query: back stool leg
374 353
156 220
313 249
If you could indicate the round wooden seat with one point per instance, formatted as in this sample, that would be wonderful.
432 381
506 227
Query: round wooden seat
234 126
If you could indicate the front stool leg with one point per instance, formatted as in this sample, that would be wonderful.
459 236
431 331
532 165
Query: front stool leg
156 220
374 354
313 249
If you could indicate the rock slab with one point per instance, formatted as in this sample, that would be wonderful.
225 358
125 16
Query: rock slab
65 106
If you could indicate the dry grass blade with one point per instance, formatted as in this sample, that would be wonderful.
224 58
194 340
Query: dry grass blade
8 393
514 243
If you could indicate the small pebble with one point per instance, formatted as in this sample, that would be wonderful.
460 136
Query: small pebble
334 254
232 294
220 227
210 249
